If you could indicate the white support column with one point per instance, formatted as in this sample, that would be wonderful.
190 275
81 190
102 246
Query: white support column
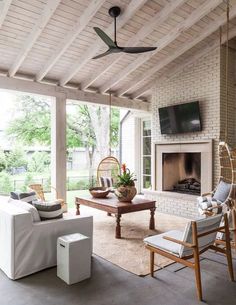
58 145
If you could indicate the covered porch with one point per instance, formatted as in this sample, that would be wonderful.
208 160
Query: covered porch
170 67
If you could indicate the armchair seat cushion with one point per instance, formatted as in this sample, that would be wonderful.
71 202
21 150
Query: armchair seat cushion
157 241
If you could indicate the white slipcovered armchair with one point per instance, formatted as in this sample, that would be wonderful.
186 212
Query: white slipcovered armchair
26 246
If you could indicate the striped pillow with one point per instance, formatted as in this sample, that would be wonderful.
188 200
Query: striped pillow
14 195
28 197
48 210
106 181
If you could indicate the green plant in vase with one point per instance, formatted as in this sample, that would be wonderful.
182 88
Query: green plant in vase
126 189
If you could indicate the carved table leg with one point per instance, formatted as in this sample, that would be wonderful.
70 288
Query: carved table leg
108 214
152 219
118 234
77 208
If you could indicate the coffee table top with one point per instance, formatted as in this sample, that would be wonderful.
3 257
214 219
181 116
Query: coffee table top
113 205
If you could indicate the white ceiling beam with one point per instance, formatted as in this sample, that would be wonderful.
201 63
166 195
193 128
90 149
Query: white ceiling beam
193 18
39 26
78 27
204 34
4 7
9 83
180 67
172 73
148 27
131 9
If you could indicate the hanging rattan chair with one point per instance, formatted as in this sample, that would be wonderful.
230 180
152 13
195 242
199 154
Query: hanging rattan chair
107 171
227 157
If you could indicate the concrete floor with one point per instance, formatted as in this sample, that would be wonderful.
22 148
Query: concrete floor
111 285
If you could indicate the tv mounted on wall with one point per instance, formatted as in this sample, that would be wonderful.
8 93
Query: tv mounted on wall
180 118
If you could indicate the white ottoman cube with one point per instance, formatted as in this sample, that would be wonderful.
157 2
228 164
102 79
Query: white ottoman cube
73 258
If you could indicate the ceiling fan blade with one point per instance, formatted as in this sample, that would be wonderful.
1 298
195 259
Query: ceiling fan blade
103 54
105 38
138 49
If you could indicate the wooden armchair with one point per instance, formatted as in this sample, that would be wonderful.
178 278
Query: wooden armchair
198 237
38 188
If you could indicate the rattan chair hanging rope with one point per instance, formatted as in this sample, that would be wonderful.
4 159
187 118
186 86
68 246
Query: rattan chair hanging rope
227 71
109 166
227 155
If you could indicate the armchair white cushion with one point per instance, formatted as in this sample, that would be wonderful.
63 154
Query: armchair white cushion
164 244
26 246
203 225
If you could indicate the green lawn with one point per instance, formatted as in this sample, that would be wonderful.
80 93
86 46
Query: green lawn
46 174
70 197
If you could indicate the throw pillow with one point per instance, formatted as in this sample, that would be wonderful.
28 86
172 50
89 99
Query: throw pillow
14 195
26 207
106 181
48 210
222 191
28 197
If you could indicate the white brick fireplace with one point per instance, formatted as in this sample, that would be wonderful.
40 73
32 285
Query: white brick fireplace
204 148
201 81
172 202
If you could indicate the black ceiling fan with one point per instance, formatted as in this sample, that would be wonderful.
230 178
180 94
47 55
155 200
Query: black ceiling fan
112 45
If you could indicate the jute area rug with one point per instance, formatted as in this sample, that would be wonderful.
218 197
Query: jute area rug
129 252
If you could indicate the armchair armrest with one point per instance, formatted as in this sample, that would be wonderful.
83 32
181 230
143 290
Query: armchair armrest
177 241
207 194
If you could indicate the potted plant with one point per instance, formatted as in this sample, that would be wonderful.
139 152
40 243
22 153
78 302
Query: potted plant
125 187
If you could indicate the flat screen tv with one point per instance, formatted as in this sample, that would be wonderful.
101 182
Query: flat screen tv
180 118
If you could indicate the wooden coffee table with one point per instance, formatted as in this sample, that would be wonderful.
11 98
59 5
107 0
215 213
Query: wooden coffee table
111 205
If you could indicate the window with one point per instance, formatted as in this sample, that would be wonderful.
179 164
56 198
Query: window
146 154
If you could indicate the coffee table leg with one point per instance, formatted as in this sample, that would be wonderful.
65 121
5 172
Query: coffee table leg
77 208
118 234
152 219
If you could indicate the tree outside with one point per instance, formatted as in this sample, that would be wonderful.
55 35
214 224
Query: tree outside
29 132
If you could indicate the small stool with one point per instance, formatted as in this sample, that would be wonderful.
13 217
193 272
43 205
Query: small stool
73 258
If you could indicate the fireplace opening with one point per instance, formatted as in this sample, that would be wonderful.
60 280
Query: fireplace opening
182 172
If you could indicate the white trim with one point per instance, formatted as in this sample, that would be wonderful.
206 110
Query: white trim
141 151
21 85
58 146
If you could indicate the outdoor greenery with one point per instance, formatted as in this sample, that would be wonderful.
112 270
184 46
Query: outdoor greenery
39 161
30 126
3 161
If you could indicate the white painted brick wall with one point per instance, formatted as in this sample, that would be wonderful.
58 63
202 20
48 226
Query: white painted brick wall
174 204
199 81
204 81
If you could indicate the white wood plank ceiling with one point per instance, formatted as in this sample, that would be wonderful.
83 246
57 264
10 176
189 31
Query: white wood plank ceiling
53 41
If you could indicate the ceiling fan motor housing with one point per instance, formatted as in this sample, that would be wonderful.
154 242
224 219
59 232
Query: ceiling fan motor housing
114 11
